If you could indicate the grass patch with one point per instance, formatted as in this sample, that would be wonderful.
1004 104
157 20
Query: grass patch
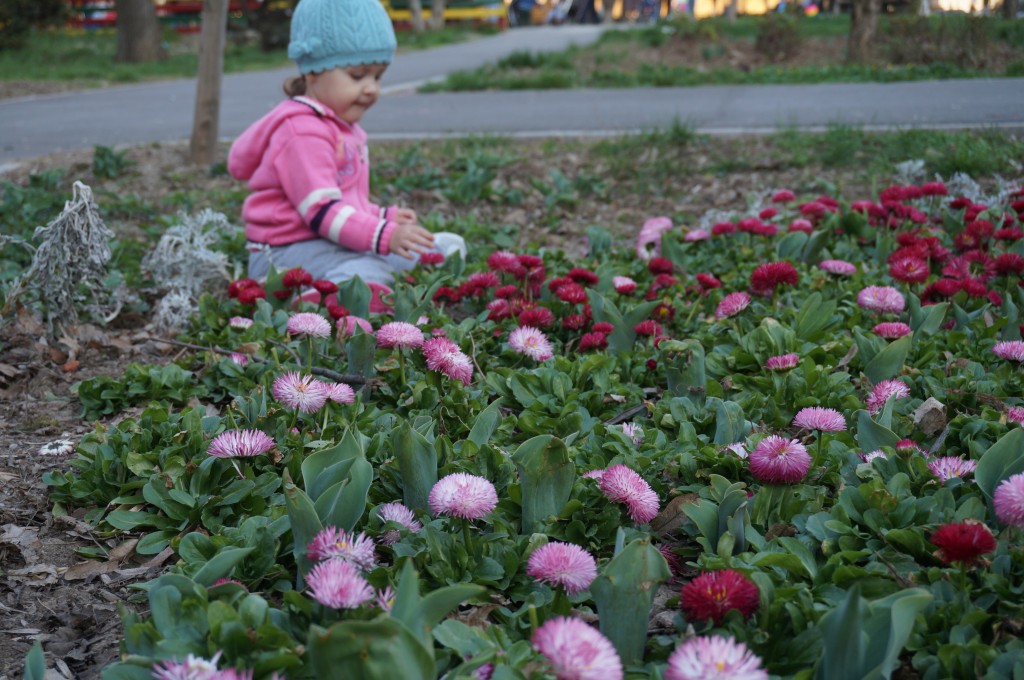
87 57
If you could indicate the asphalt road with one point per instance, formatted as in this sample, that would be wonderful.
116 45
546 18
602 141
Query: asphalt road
162 111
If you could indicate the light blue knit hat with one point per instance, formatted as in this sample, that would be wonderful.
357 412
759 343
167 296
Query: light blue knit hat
330 34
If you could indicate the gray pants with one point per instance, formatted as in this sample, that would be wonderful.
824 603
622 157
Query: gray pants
326 260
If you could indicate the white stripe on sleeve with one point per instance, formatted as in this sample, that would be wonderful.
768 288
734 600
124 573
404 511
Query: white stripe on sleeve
339 222
317 195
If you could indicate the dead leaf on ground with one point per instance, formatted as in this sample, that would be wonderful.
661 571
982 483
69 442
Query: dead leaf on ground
90 569
35 575
672 516
24 539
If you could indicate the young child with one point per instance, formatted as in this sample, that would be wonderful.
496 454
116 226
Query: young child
307 165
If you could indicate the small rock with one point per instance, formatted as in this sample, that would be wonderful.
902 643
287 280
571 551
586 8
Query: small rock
930 417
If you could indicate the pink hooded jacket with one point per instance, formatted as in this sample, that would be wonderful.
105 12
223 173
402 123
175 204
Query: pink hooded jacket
309 174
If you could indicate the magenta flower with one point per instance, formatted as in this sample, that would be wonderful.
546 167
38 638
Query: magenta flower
714 658
697 235
397 512
622 485
340 393
883 392
650 235
871 455
731 305
240 444
444 356
337 584
348 324
881 299
530 342
838 267
623 284
593 474
782 362
577 651
1009 500
1011 350
821 419
948 467
385 598
301 392
399 334
308 323
1015 414
239 322
714 594
239 359
463 495
334 543
563 564
777 460
891 330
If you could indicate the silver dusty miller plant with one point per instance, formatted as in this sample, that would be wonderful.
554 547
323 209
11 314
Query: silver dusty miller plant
68 274
184 263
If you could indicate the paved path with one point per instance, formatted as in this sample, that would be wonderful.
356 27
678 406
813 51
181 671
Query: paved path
162 111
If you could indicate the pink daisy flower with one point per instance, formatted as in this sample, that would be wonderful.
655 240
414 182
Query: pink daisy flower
1015 414
883 392
650 235
530 342
399 334
594 474
300 392
838 267
334 543
622 485
697 235
1011 350
634 432
871 455
577 651
308 323
777 460
1009 500
908 446
562 564
821 419
239 359
463 495
397 512
444 356
240 444
783 362
197 668
239 323
881 299
891 330
623 284
714 658
731 305
340 393
948 467
337 584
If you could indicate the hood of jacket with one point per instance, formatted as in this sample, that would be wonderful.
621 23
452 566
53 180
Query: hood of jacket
248 152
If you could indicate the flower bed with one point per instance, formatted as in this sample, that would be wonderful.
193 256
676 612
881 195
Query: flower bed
784 443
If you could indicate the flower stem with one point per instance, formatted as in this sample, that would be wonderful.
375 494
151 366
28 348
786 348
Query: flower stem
467 537
401 367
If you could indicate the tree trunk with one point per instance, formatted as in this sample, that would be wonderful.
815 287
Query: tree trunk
731 10
1010 9
212 36
863 27
416 16
139 39
437 14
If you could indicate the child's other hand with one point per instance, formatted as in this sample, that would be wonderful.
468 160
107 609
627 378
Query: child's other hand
405 216
410 239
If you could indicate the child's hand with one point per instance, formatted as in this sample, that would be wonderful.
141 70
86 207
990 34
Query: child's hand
405 216
410 239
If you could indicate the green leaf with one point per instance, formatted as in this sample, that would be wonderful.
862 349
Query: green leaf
815 315
546 473
624 591
870 435
220 566
355 295
35 663
891 623
486 423
730 425
382 649
843 639
924 321
343 504
305 524
361 350
887 363
790 245
1000 461
685 369
417 462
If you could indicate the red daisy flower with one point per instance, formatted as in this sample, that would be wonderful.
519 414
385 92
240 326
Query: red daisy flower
770 275
711 595
591 341
583 276
963 542
909 270
538 317
296 278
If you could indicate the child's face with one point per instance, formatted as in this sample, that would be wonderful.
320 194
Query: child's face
348 91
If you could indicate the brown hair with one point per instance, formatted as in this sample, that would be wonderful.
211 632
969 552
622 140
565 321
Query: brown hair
295 86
